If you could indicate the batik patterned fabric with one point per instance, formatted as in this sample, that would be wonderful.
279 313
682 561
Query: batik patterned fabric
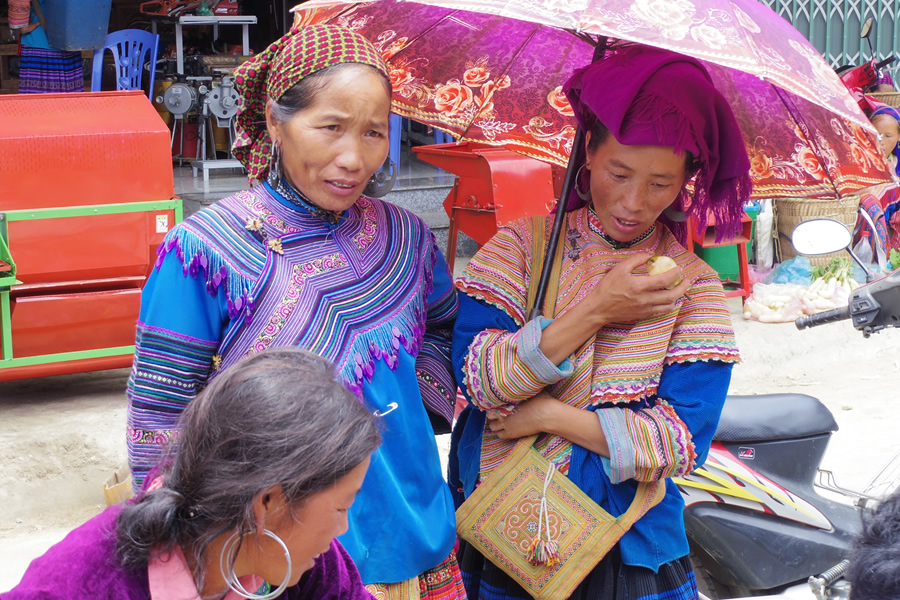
611 579
371 293
299 53
50 71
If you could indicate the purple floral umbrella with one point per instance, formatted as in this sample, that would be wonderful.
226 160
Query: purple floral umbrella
491 71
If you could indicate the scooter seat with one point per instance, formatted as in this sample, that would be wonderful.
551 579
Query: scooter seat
773 417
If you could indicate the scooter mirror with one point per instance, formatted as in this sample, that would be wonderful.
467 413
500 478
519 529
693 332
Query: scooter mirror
820 236
867 28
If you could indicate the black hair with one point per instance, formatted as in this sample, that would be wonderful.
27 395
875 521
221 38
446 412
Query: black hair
600 132
278 417
874 571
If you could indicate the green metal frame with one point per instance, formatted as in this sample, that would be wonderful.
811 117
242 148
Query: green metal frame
6 284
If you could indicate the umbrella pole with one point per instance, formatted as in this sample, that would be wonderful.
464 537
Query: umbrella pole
568 182
575 158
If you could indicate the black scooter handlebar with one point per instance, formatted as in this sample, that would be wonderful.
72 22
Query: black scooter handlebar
885 62
828 316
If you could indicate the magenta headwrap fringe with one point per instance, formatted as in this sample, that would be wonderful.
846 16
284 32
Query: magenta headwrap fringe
650 96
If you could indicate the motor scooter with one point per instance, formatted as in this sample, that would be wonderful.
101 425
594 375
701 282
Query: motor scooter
755 519
858 79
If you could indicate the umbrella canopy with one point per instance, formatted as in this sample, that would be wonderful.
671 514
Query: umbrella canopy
492 71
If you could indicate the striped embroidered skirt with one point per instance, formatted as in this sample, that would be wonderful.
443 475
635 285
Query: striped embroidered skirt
610 580
43 71
443 582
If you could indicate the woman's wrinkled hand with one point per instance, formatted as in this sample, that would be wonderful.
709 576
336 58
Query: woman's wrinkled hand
622 297
529 418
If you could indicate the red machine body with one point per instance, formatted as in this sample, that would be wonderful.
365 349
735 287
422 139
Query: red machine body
494 186
86 197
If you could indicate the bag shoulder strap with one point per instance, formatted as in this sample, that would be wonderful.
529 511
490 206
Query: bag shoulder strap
648 495
539 238
36 4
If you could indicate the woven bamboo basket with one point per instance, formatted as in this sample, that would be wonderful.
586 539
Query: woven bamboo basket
790 212
889 98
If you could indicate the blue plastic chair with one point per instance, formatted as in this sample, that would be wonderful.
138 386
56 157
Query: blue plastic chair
131 49
397 125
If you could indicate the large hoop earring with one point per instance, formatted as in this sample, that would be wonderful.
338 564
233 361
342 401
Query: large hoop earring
274 165
586 196
227 567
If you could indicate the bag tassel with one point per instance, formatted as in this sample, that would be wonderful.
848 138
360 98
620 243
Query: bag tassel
544 552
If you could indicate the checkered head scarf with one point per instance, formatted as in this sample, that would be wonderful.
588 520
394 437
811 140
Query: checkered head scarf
298 54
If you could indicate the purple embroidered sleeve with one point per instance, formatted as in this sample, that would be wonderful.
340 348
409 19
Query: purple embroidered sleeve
169 370
433 368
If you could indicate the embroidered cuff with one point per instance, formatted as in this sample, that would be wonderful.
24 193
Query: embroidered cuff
620 465
529 352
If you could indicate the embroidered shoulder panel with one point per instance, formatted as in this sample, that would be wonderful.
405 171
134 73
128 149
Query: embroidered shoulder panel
355 292
217 245
500 272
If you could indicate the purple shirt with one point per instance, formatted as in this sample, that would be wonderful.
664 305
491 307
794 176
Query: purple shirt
84 566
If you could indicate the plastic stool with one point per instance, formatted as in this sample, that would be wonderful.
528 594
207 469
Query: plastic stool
707 239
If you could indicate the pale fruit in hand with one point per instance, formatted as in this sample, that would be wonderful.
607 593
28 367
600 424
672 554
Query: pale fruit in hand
661 264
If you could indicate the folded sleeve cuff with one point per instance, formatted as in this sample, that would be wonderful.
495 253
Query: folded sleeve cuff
620 465
530 353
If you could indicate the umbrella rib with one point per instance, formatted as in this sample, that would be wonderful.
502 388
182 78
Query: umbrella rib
434 25
752 45
506 70
795 115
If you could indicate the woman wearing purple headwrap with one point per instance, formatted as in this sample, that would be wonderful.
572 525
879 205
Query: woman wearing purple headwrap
649 355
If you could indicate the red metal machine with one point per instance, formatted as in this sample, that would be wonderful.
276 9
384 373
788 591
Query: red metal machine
494 186
86 197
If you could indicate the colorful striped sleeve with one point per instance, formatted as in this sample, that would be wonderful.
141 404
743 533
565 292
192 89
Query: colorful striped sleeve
501 366
19 13
703 329
671 437
177 336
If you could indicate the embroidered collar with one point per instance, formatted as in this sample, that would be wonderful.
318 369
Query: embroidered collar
293 195
596 227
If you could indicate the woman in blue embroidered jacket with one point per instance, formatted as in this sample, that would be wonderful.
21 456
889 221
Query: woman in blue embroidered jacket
651 357
304 259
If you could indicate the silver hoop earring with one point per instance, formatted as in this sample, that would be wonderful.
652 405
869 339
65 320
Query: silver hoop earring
586 196
274 165
226 565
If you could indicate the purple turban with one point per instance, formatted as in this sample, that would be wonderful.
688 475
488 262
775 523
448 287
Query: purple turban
650 96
